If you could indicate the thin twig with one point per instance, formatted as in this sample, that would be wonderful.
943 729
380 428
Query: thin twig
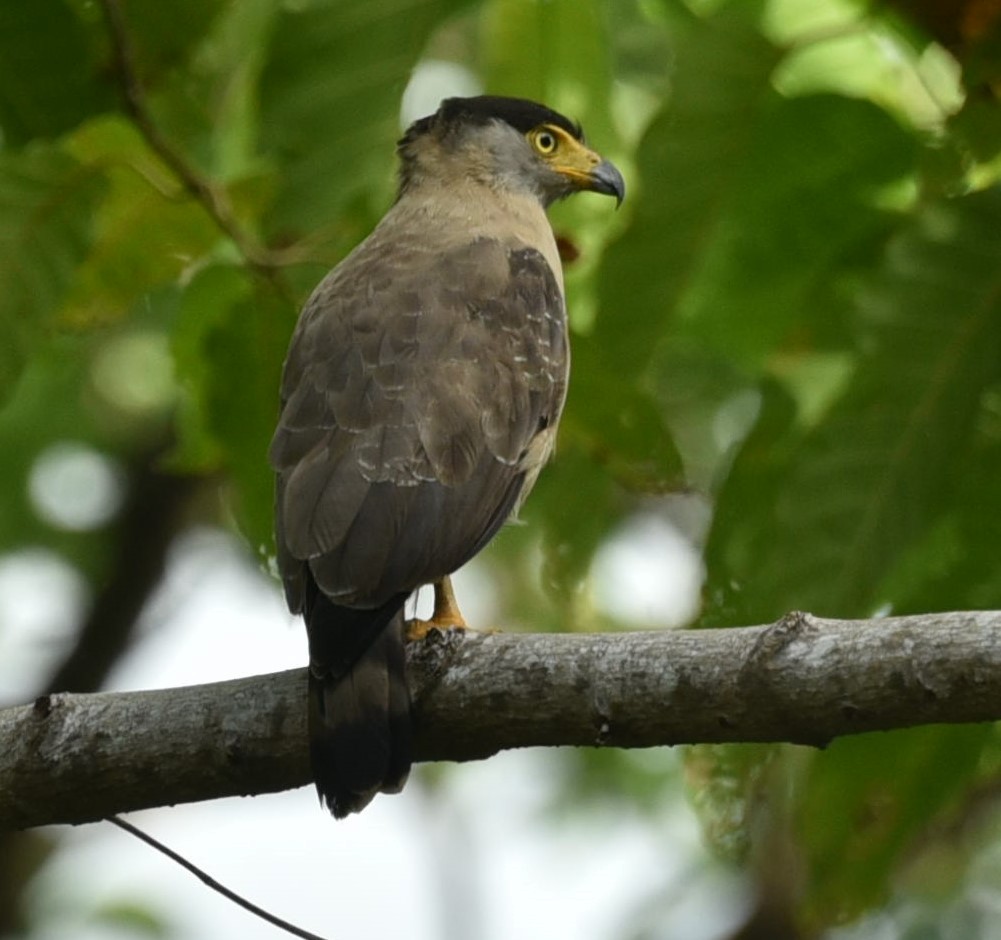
212 883
209 196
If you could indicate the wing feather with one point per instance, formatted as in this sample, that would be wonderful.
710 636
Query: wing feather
414 389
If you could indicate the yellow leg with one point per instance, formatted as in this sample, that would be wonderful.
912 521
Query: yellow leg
446 615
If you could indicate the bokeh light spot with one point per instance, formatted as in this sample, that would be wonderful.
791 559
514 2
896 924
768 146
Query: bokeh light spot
135 372
75 487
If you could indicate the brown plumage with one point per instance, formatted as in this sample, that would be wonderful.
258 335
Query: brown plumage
420 398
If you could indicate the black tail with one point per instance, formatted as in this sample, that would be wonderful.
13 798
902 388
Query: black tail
359 703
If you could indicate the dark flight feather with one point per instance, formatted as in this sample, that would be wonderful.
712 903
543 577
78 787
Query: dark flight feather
360 735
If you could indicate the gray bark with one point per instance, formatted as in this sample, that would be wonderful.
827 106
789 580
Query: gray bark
78 758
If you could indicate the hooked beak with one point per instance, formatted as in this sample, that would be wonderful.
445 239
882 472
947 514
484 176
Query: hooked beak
605 178
586 169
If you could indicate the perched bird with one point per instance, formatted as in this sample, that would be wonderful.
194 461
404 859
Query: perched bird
420 398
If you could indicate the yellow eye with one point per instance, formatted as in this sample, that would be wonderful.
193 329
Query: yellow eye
544 141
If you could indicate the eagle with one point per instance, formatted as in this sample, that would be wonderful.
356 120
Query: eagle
420 397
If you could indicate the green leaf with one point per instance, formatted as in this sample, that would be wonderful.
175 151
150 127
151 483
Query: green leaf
814 168
164 35
619 424
207 109
49 76
230 345
142 238
330 96
867 799
577 505
691 158
47 201
955 564
757 200
743 508
857 491
977 130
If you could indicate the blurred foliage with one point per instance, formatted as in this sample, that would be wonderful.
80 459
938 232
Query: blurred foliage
796 316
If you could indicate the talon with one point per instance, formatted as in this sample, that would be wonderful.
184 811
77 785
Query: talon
417 630
446 615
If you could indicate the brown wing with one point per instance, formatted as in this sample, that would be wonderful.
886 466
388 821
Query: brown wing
413 391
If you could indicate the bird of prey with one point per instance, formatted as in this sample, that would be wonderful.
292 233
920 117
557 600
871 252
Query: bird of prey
419 400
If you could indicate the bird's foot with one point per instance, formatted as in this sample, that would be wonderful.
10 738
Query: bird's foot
446 615
418 629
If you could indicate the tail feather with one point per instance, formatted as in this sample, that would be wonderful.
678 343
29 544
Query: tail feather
359 703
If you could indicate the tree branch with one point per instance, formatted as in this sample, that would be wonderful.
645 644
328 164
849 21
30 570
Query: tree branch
78 758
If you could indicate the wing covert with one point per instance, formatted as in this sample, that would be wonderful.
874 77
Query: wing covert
424 391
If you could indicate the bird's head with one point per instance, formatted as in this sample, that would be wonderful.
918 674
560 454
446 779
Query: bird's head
506 142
